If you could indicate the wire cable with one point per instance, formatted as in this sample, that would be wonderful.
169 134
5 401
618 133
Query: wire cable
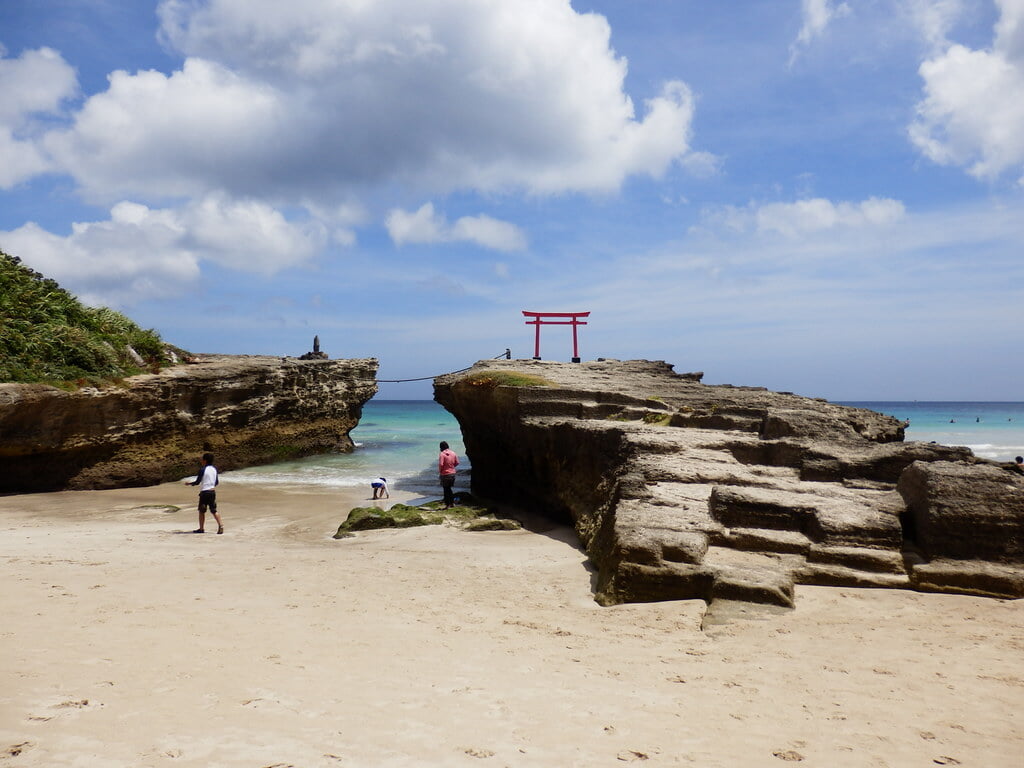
507 354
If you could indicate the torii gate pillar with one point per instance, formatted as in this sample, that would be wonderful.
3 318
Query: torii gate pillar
563 318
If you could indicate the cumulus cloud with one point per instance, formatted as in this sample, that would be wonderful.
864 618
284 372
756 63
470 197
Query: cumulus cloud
327 106
249 235
935 18
421 226
817 15
807 217
425 225
972 113
19 160
119 262
33 84
322 98
159 136
490 233
141 253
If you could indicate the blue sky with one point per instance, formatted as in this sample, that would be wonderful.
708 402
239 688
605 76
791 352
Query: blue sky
813 196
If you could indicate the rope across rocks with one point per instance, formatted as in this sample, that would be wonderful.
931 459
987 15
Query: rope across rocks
507 355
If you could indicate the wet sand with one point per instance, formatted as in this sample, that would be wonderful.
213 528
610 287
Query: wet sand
125 640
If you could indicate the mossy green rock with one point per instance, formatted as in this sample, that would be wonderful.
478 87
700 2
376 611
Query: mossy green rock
467 516
398 516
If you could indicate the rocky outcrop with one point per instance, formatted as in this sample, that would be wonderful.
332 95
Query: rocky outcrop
683 490
153 428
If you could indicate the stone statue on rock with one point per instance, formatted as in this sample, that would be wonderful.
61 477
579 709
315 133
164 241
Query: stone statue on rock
316 354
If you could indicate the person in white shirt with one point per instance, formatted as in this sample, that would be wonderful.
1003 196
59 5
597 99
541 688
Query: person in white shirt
380 488
207 480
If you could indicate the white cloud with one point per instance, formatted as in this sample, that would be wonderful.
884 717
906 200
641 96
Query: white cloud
817 214
141 253
817 15
425 225
934 19
972 113
421 226
805 217
19 160
35 83
120 262
156 136
248 235
322 99
489 232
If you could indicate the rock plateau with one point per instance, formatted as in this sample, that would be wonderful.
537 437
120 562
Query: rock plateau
152 429
679 489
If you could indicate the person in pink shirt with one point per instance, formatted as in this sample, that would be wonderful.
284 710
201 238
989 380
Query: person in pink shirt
447 461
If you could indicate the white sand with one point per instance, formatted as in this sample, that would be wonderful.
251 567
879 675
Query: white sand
125 641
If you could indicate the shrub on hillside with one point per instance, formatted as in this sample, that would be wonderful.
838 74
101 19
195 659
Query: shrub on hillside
47 335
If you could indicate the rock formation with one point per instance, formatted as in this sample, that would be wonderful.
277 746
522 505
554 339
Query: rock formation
681 490
247 410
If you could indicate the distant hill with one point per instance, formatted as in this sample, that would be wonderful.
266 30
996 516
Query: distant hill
47 335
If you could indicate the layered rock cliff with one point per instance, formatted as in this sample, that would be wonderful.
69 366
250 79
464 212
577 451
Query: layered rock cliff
153 428
680 490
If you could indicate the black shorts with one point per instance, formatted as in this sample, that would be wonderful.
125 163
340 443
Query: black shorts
208 499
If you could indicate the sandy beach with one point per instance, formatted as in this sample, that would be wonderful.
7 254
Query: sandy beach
125 640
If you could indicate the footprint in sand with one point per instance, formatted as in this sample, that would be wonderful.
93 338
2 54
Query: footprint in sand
80 704
65 705
16 749
789 755
632 755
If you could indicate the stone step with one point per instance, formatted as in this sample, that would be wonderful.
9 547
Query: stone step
828 575
750 576
859 558
765 540
841 518
971 577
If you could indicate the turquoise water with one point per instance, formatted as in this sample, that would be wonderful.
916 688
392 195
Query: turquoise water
398 439
991 430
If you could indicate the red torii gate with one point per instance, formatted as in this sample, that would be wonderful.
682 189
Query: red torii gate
541 318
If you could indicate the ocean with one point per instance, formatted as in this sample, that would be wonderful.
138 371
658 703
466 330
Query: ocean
395 439
398 439
991 430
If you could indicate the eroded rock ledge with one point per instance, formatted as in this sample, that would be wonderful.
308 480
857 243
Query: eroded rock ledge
248 410
683 490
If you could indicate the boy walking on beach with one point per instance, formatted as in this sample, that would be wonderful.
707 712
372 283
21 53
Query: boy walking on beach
207 480
447 461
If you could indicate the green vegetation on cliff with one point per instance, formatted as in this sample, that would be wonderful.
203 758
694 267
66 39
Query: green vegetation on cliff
491 379
47 335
